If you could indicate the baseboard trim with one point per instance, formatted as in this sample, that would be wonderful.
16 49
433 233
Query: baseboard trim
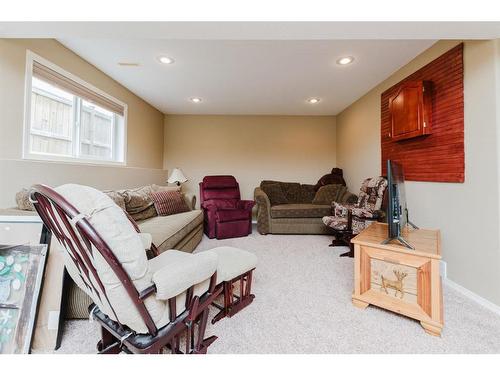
473 296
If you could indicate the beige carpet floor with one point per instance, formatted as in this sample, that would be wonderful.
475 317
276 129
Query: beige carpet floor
303 305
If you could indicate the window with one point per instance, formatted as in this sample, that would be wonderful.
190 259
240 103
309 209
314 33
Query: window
68 119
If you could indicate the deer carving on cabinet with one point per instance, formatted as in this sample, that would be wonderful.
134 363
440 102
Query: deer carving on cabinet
397 284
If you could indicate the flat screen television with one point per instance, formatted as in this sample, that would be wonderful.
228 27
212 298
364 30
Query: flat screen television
397 210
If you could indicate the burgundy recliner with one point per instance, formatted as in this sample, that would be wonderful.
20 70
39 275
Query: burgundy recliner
225 214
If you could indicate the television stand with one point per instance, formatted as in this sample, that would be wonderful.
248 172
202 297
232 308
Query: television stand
400 239
395 278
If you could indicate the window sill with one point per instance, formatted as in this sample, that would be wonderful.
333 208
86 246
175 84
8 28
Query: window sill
72 161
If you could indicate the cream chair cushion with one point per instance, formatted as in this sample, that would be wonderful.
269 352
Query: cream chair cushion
233 262
128 246
177 276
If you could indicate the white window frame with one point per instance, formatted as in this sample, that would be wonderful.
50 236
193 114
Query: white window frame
32 57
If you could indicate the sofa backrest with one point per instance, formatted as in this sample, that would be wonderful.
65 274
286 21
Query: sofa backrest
294 192
219 187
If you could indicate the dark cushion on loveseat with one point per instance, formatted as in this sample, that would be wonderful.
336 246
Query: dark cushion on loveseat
292 192
274 192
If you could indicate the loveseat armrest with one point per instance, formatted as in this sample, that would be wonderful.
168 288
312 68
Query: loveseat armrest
263 211
178 276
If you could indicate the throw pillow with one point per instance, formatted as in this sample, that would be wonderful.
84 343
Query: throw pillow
292 191
275 194
156 188
117 198
23 200
138 202
328 194
169 202
307 193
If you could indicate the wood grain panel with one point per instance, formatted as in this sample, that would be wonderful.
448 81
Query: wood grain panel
440 156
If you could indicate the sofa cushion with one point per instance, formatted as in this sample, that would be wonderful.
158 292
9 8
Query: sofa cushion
329 193
167 231
307 193
117 198
275 193
293 191
138 203
169 202
298 210
233 215
23 200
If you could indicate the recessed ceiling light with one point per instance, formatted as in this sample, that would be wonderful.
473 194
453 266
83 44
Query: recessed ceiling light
165 60
313 100
345 60
196 100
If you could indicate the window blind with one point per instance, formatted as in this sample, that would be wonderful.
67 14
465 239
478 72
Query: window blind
57 79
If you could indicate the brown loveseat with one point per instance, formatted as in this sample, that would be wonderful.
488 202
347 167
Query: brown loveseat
297 208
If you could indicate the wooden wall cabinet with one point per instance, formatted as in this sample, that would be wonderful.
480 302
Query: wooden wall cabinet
411 110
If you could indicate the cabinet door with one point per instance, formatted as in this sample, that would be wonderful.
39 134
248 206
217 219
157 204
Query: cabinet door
406 111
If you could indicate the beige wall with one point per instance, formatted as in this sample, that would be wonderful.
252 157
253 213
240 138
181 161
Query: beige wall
144 128
252 148
468 213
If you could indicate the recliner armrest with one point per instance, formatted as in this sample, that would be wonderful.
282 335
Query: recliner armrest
208 206
178 276
245 204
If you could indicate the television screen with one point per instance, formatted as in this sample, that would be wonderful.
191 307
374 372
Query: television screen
397 211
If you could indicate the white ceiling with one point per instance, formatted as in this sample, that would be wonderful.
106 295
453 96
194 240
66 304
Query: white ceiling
250 67
273 77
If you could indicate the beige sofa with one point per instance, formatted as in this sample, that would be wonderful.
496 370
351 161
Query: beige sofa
182 231
298 214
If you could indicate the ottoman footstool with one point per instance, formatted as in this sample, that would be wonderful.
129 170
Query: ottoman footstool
235 266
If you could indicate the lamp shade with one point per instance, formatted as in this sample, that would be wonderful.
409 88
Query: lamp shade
176 176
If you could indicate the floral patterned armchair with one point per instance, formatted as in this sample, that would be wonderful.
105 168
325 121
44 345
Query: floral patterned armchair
350 219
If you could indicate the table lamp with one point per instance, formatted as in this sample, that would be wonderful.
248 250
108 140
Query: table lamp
177 177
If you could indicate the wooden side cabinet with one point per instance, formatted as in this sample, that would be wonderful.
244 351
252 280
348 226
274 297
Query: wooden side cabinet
399 279
410 110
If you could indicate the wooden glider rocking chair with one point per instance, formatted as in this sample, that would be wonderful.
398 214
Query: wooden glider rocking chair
143 306
348 220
